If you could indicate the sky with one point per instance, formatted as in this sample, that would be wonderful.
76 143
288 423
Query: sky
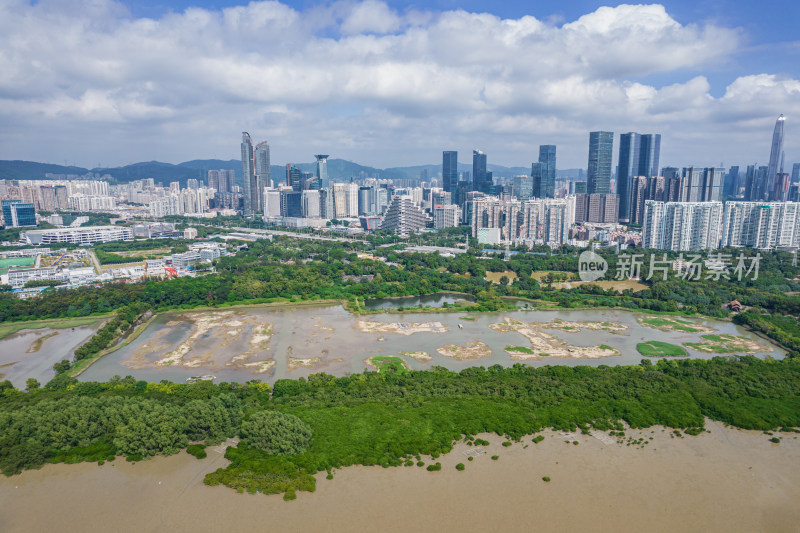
393 83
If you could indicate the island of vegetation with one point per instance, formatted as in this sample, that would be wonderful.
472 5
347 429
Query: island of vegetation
473 349
672 323
384 363
727 344
660 349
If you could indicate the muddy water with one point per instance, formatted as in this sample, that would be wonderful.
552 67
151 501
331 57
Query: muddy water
726 480
330 334
32 353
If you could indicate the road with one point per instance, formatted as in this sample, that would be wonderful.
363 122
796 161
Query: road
314 236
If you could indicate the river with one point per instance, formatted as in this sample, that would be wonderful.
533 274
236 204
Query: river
725 480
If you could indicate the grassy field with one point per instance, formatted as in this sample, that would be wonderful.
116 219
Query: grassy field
57 323
385 362
494 277
5 264
155 253
620 285
660 349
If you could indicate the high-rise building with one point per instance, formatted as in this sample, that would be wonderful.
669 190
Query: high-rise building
638 156
249 174
322 170
730 187
262 164
774 156
597 208
481 179
649 154
450 171
547 162
765 226
601 145
536 178
404 216
446 216
627 171
682 226
18 214
294 177
702 184
522 187
796 173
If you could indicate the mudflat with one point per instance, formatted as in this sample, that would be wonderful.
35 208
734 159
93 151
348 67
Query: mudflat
725 480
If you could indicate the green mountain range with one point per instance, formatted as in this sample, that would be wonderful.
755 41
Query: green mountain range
338 169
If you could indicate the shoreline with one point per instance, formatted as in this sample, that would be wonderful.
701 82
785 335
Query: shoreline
728 479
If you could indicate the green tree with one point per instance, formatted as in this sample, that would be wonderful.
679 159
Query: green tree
31 384
276 433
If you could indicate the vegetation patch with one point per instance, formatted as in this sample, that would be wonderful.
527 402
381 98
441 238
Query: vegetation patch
725 344
660 349
518 349
198 450
387 363
672 323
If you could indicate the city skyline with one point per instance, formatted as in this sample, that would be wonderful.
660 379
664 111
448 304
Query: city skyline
390 84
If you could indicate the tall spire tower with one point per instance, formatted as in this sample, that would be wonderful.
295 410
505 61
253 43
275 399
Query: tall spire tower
248 172
775 153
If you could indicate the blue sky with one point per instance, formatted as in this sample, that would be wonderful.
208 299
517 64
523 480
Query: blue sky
393 83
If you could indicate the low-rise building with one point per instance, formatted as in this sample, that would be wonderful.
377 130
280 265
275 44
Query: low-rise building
83 236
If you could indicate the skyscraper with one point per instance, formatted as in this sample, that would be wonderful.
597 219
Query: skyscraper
450 171
262 166
479 174
547 183
649 154
627 170
322 170
249 174
638 156
601 144
775 155
730 187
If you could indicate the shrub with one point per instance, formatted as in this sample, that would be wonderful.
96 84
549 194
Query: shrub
507 443
290 495
434 467
538 438
546 479
420 463
198 450
776 440
276 433
470 458
460 467
495 457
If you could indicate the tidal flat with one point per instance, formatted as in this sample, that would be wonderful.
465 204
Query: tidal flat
267 343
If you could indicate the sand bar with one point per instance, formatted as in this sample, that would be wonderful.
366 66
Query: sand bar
546 345
474 349
403 328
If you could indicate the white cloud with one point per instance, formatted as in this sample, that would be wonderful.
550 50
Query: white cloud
383 87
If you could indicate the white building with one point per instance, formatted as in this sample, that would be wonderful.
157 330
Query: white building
85 236
403 216
446 216
765 226
682 226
